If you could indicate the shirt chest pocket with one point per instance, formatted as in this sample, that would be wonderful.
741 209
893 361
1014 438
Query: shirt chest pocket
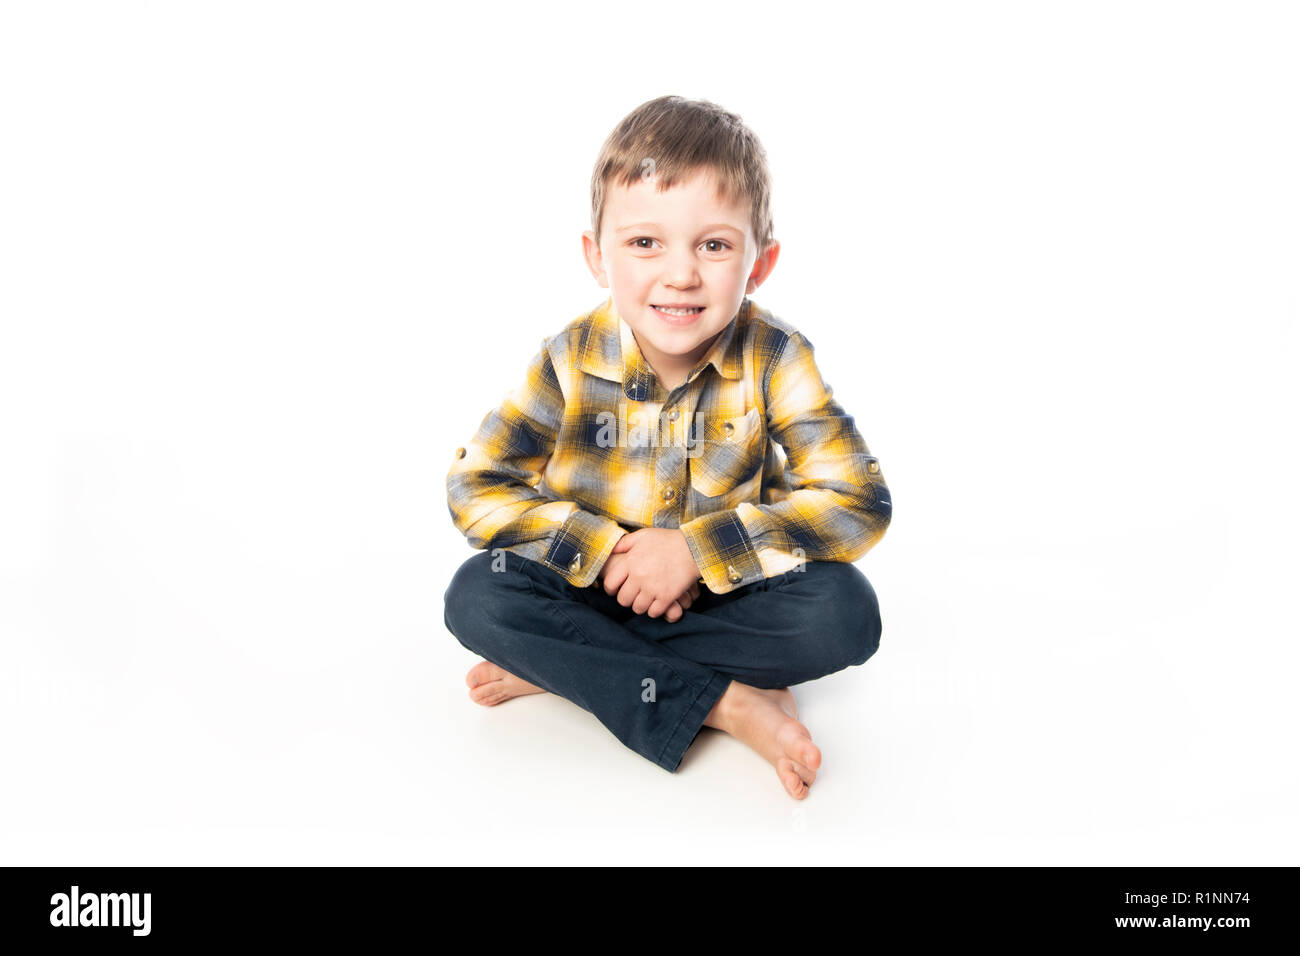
731 457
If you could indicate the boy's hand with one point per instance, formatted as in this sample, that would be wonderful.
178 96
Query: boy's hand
674 612
652 571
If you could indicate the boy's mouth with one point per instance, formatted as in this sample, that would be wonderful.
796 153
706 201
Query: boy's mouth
678 315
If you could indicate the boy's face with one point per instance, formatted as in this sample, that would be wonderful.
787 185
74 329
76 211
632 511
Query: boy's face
683 247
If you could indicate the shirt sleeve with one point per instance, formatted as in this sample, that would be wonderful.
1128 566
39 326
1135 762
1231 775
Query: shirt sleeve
839 506
492 485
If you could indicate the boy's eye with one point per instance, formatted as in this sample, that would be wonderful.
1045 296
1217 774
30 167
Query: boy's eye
721 245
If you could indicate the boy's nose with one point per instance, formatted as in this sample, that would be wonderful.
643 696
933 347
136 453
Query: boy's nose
680 272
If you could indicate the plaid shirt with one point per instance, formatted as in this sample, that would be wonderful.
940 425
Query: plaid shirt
591 446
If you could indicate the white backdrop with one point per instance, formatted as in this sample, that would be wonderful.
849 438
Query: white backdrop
264 266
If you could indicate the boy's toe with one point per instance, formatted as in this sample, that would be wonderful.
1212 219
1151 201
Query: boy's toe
790 779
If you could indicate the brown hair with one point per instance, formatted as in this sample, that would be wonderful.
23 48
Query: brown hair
671 138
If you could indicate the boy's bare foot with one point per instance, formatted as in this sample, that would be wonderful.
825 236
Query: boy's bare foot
766 721
489 685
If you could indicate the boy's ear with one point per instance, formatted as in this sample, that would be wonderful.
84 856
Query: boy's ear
591 252
763 266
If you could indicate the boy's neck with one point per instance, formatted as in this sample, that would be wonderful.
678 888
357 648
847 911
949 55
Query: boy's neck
671 370
671 378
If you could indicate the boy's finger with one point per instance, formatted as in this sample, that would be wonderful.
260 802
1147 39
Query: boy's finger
674 612
613 581
642 603
615 575
659 607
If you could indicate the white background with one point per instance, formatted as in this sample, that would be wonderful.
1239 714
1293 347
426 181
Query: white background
264 266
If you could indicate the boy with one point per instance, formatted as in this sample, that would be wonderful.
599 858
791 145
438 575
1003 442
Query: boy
639 459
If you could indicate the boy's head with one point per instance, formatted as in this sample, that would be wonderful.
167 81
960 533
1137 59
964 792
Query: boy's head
681 216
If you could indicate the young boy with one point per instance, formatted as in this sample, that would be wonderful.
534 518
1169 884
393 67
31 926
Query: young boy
639 459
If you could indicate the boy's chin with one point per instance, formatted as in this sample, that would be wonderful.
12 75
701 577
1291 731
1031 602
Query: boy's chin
677 345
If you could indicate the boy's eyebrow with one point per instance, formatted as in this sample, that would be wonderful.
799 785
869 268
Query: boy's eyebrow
654 225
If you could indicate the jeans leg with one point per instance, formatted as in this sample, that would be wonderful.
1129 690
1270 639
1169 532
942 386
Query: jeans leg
785 630
532 622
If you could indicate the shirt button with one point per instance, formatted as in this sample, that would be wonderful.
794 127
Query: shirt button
733 575
576 563
672 416
668 494
460 452
873 466
728 428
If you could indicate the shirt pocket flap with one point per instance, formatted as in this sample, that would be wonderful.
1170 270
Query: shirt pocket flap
730 455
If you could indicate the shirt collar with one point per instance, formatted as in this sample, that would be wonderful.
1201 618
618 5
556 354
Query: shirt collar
609 350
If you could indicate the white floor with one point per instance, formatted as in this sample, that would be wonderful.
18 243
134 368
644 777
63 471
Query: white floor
1020 710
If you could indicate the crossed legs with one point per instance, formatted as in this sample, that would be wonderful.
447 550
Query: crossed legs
726 663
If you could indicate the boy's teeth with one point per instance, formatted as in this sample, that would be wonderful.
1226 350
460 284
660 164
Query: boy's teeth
680 311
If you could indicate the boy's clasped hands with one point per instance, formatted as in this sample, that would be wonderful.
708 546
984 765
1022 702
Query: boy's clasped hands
652 571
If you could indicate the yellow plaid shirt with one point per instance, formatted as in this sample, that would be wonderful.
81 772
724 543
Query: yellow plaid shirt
750 457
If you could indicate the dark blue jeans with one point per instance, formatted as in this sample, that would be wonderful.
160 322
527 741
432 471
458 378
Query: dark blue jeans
651 682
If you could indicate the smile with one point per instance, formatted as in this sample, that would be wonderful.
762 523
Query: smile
673 316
